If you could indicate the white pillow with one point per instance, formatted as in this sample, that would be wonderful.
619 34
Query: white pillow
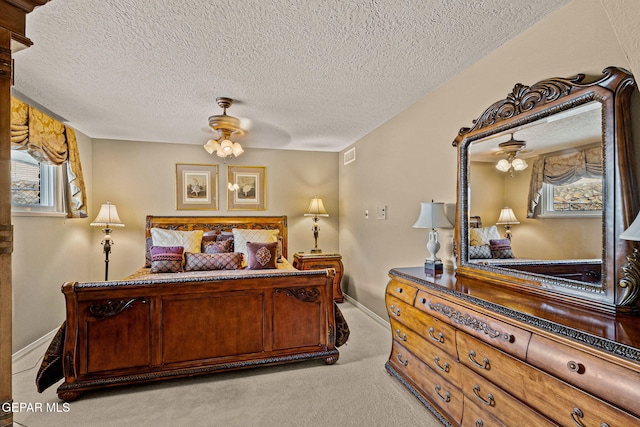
243 235
189 240
481 236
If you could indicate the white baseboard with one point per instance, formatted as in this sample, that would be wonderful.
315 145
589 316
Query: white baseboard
29 348
368 312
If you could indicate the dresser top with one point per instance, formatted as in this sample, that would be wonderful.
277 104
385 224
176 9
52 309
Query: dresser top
616 334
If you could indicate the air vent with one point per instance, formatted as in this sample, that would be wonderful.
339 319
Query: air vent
350 156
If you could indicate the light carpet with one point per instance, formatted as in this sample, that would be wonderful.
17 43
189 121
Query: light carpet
356 391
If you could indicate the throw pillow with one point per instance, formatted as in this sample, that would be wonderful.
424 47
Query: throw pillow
166 259
206 262
220 247
241 236
501 249
261 255
481 236
480 252
189 240
147 253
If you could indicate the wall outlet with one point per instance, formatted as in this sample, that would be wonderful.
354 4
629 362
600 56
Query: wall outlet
381 212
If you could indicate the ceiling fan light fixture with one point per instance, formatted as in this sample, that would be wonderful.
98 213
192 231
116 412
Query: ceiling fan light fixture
503 165
519 164
226 126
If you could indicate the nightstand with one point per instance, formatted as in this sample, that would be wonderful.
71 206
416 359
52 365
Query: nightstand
308 261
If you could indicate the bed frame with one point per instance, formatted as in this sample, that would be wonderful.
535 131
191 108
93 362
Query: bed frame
132 331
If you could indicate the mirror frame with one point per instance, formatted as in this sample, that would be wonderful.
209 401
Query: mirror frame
620 285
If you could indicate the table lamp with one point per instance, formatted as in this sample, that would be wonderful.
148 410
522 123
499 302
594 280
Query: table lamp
432 216
107 218
507 218
316 209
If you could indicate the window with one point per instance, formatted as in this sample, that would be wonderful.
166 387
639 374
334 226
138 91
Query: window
580 198
36 188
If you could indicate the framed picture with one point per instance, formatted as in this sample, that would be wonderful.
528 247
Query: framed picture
196 187
246 187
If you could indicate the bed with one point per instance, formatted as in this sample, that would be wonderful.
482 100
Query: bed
156 326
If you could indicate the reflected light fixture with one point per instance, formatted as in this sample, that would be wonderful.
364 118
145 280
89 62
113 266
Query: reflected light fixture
226 126
507 218
107 218
432 216
511 163
316 209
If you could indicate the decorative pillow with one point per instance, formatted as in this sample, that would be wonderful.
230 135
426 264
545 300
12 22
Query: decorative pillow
241 236
206 262
189 240
220 247
501 248
481 236
147 253
166 259
480 252
208 236
261 255
279 249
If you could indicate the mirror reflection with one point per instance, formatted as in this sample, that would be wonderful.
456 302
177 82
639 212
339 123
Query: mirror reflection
535 193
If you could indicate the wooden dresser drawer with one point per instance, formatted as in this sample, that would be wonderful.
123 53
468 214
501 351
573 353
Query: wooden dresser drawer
602 378
434 356
402 291
436 389
498 367
498 403
436 332
475 416
509 338
569 406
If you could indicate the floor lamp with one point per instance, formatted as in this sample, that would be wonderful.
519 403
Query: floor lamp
107 218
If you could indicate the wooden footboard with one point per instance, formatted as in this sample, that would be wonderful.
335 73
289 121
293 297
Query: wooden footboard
127 332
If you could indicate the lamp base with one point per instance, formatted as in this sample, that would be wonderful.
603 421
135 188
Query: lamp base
316 251
433 268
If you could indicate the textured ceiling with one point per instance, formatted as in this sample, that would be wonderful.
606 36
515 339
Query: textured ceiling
307 74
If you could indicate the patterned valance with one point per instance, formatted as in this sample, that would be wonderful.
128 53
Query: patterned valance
51 142
562 169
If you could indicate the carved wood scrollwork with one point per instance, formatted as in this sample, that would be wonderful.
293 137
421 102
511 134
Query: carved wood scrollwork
631 280
464 319
306 295
112 308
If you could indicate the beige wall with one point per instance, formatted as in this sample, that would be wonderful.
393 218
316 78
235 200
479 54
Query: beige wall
48 251
410 159
140 178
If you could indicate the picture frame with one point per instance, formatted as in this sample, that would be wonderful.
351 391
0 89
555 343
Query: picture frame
196 186
246 188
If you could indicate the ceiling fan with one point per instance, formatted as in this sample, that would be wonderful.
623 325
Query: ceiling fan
226 126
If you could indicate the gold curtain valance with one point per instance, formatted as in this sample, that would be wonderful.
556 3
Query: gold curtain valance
562 169
51 142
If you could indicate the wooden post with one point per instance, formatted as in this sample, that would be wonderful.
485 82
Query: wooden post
12 27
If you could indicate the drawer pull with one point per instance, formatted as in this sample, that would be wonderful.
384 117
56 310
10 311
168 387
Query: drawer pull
404 362
575 367
439 338
402 337
423 300
479 423
575 414
489 401
472 357
444 368
447 395
395 310
399 290
508 337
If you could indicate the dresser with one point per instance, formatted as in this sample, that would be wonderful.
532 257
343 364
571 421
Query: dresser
320 261
478 355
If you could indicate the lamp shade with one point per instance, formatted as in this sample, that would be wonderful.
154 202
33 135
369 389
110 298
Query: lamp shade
432 215
107 217
633 232
503 165
507 216
316 208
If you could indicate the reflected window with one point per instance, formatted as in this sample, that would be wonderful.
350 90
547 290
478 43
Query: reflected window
579 198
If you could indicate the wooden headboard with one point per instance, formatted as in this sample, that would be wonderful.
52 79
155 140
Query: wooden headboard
220 223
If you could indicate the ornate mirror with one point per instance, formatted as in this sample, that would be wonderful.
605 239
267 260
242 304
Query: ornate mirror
547 183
